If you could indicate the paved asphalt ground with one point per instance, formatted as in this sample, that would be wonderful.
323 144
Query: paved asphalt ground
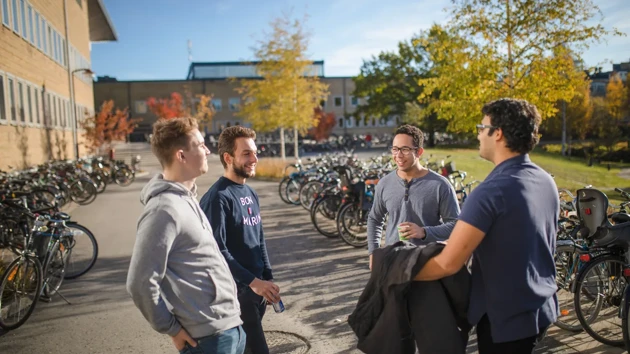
320 280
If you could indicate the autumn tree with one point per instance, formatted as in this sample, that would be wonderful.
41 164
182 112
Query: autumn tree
609 112
391 81
289 89
167 108
578 111
106 126
505 48
325 124
198 107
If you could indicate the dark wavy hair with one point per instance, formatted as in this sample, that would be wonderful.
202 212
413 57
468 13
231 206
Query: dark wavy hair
414 132
518 120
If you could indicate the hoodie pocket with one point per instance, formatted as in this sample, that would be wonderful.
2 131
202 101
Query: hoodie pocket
222 298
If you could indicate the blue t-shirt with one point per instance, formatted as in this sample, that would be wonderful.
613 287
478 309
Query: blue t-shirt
513 271
234 214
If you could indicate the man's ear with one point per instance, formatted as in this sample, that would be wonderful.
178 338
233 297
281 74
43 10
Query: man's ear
227 158
420 151
179 155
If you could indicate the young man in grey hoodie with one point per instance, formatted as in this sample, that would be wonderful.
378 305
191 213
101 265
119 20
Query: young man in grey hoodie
178 277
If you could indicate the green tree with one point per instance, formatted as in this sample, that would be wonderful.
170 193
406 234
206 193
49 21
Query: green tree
609 112
391 82
506 48
289 89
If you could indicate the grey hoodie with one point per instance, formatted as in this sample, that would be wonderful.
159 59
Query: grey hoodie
178 276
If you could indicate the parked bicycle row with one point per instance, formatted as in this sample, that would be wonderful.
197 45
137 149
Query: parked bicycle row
46 246
338 191
63 181
593 265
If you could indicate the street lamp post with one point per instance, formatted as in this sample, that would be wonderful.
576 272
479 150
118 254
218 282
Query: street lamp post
75 128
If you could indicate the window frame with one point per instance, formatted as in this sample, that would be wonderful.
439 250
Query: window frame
6 13
335 101
23 22
15 12
4 116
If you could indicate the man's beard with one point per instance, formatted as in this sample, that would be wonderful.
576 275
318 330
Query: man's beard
240 171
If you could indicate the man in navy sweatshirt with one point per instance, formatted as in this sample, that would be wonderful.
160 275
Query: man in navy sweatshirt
234 213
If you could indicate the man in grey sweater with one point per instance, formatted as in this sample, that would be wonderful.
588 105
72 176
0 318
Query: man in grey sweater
178 277
420 203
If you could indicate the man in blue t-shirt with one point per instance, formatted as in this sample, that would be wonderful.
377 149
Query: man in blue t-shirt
233 210
508 224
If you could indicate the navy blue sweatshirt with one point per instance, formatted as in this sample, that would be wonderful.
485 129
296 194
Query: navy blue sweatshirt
233 210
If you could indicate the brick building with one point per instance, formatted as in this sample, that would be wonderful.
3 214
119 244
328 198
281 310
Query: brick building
213 79
44 44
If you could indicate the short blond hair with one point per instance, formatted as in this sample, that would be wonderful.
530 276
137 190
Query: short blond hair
170 135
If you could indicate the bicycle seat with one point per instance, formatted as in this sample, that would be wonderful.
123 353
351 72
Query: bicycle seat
592 205
620 218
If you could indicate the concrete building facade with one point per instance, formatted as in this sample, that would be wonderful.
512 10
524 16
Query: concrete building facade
43 44
214 79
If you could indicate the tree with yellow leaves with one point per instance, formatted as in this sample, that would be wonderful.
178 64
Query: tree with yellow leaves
289 89
506 48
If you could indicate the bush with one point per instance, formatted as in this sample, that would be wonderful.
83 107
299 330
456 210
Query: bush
271 167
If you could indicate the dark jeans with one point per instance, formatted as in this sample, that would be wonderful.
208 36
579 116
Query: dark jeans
231 341
521 346
252 311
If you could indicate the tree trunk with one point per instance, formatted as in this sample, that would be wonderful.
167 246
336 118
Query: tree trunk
282 152
296 143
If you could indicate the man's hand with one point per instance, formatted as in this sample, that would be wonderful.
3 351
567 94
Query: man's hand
371 262
410 230
266 289
181 338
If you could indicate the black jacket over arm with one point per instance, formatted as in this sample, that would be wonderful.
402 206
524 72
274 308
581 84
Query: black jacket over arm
391 301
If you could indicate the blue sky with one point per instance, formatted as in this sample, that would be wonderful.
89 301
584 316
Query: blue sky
153 39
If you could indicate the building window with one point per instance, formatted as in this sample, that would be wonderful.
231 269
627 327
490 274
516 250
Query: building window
16 23
3 112
234 103
54 111
322 103
29 101
49 50
24 24
64 114
38 32
340 122
354 101
338 101
12 104
37 107
141 107
31 30
217 104
21 98
44 37
62 55
6 16
55 45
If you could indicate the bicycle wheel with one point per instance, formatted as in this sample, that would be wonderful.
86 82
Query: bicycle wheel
351 228
282 189
82 250
601 281
566 264
20 288
625 328
54 269
293 192
323 215
83 191
124 177
307 193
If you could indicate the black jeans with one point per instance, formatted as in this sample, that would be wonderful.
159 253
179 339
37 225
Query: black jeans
521 346
252 311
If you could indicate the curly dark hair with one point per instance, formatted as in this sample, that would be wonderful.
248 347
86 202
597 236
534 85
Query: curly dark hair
414 132
518 120
228 137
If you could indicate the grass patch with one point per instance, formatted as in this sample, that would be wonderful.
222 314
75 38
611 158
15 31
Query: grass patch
273 167
570 173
